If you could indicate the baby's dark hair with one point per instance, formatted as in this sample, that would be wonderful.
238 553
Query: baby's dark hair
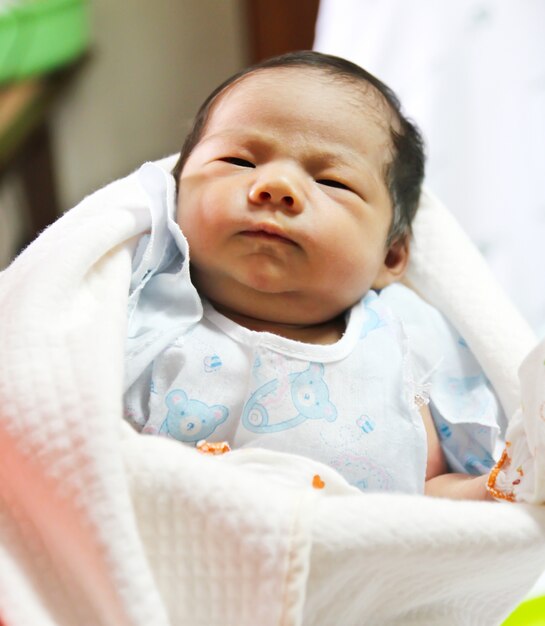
404 173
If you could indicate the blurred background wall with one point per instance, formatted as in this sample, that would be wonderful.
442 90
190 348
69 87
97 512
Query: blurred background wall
149 66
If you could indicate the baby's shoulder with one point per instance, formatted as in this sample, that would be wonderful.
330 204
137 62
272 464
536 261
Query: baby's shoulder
406 304
430 334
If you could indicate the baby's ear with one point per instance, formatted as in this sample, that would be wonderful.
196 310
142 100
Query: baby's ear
395 263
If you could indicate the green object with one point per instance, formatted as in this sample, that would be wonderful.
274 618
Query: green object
37 36
529 613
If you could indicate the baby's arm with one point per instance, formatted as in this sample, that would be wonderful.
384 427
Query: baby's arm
458 487
439 482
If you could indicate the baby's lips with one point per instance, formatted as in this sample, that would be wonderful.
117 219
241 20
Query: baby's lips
271 231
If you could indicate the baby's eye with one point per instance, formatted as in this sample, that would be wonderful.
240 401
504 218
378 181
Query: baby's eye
238 161
333 183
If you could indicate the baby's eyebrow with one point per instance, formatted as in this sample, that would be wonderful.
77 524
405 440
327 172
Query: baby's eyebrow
341 158
232 140
240 136
338 156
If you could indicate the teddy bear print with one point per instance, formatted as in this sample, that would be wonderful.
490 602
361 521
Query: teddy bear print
191 420
309 395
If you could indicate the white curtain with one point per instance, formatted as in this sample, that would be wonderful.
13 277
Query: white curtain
471 73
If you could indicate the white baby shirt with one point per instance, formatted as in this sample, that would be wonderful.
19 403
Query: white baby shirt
193 374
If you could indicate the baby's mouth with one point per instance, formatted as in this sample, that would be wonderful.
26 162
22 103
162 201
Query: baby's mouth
268 232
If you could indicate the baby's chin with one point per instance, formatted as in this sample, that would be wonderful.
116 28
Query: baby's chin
272 303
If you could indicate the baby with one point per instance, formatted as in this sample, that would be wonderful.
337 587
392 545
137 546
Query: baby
296 188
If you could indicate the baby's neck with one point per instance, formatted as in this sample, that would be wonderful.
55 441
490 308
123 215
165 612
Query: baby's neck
324 333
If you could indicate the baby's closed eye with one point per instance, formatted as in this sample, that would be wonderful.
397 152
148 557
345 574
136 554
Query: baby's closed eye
328 182
237 161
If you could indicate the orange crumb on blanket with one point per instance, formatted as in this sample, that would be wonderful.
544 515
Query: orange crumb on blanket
317 482
213 447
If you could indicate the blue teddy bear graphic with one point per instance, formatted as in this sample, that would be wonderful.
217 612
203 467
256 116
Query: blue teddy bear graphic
191 420
309 394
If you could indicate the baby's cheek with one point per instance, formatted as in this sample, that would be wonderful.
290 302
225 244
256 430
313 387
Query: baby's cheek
347 272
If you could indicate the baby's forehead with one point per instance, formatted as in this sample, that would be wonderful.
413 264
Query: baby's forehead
351 88
312 87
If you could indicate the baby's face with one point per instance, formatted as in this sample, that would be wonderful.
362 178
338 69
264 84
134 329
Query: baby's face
283 201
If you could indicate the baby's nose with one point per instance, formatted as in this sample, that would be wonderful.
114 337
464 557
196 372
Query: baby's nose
277 190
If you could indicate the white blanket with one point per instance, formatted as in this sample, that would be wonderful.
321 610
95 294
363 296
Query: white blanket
101 526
